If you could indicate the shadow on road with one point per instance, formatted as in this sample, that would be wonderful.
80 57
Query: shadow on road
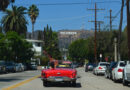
8 80
78 85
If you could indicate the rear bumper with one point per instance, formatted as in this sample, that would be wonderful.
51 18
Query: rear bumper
58 79
101 71
118 76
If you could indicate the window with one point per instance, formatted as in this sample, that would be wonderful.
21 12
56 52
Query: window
103 64
38 44
122 64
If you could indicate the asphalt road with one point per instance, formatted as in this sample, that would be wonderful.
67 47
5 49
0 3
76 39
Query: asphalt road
13 78
87 81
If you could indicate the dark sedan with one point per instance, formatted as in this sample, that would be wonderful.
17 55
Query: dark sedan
109 68
89 67
10 67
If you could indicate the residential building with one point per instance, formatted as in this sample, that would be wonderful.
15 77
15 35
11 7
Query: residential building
37 46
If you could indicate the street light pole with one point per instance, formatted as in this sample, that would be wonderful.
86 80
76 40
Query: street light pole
115 51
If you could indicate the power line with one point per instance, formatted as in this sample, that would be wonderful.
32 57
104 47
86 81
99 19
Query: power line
67 18
54 4
116 15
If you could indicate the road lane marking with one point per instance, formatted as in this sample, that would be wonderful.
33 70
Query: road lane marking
21 83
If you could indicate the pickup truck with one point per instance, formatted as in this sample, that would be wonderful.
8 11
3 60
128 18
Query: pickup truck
126 74
59 74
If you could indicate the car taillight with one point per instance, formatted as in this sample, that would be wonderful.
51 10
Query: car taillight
120 70
112 68
73 75
100 68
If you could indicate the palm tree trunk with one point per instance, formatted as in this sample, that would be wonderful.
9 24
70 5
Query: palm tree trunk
128 27
32 30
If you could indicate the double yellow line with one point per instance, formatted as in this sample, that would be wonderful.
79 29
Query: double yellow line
21 83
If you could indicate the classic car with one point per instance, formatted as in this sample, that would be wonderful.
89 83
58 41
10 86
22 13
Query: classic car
59 74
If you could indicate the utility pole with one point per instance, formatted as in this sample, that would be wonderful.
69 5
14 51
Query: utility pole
110 20
128 26
95 43
110 17
99 24
120 29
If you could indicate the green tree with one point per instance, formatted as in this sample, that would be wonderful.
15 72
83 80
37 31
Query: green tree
13 47
81 49
33 13
124 45
3 47
105 44
14 20
4 4
40 35
51 43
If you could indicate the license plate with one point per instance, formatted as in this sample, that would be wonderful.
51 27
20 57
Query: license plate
58 79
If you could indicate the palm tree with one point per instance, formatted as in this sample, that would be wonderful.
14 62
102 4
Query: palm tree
33 13
14 20
4 4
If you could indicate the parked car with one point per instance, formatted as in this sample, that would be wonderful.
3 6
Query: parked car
75 65
94 69
10 66
25 66
89 67
19 67
80 64
126 74
101 67
109 68
117 71
2 67
59 74
33 66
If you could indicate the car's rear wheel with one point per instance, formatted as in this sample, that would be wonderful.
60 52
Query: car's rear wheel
68 83
74 83
45 83
109 76
106 75
14 70
86 70
125 83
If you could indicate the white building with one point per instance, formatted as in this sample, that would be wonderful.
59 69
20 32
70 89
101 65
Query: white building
37 46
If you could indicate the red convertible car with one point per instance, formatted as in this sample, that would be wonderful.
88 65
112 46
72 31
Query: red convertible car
61 73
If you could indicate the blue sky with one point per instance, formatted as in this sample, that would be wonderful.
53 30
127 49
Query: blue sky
73 17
